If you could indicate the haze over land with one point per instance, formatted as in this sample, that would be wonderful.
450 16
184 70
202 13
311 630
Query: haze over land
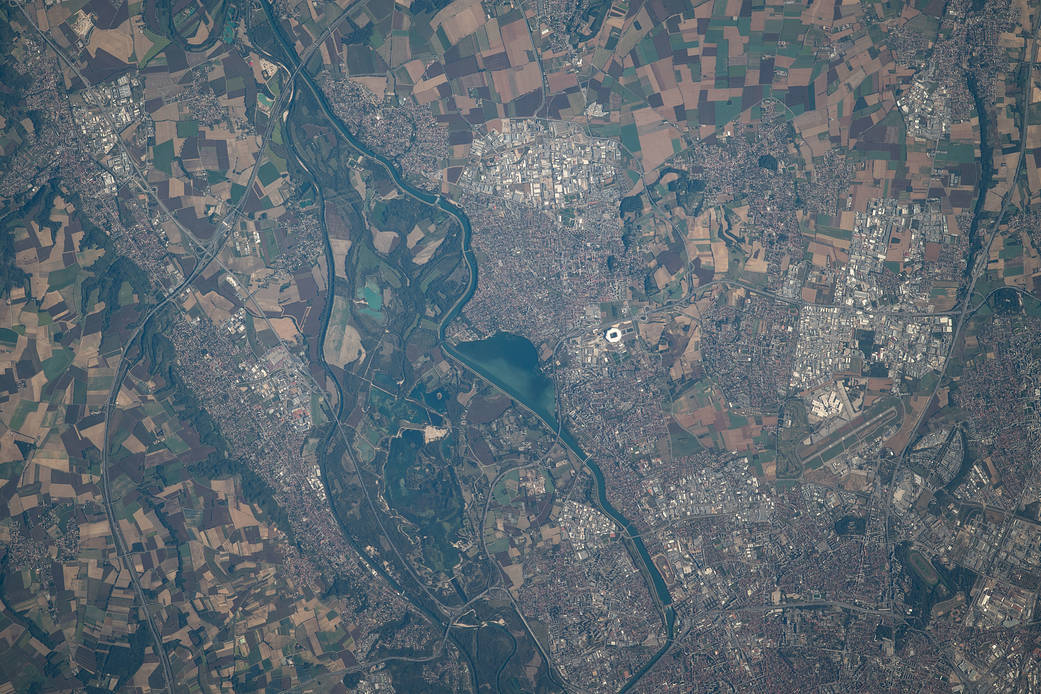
512 346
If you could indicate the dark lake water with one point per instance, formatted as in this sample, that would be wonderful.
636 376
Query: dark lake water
510 361
513 363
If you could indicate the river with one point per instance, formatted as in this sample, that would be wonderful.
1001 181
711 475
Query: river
986 171
629 533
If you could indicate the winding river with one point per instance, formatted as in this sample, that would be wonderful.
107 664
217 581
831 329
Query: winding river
628 531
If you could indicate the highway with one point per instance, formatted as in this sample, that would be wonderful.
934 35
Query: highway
210 252
980 266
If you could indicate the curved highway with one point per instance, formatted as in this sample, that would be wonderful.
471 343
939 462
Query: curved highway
631 538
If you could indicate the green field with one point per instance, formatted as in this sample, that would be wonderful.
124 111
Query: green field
21 411
162 156
268 173
187 128
58 362
923 568
60 279
682 442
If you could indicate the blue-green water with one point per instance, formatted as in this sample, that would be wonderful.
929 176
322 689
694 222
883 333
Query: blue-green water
513 372
373 298
512 363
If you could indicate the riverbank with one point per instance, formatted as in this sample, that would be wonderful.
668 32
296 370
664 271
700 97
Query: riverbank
630 536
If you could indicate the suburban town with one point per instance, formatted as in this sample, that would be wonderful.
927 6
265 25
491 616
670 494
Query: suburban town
459 346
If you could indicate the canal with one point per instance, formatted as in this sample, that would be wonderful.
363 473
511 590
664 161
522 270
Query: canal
531 398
